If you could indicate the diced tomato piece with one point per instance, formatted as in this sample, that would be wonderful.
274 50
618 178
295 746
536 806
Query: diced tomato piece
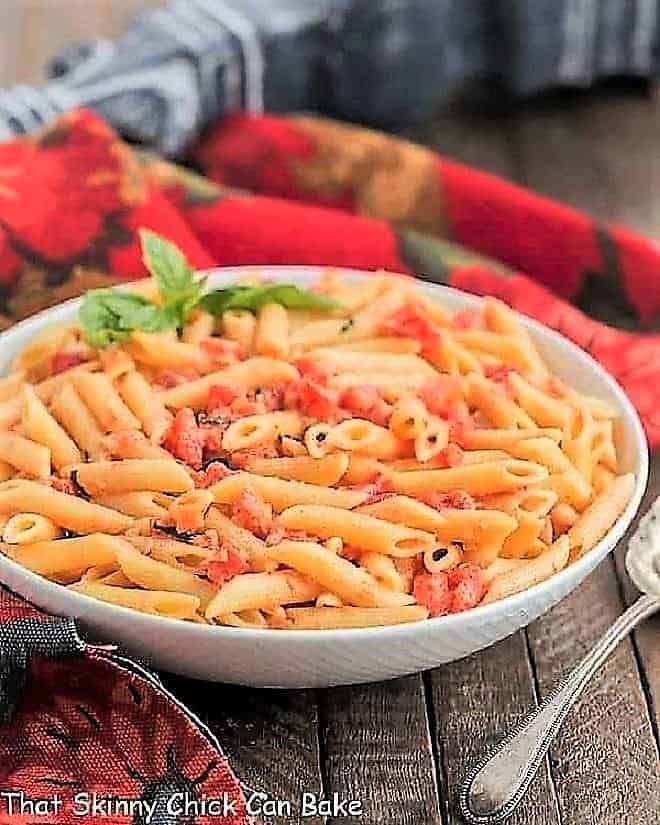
455 500
229 563
185 439
498 372
272 398
168 378
467 319
365 401
450 456
310 368
221 396
241 458
441 394
223 351
467 585
213 435
450 592
64 485
64 360
412 321
214 473
431 590
313 399
250 511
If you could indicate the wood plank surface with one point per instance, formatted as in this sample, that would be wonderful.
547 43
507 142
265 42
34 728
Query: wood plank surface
270 737
377 749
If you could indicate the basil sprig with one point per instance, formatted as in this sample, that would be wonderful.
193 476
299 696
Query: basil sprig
113 314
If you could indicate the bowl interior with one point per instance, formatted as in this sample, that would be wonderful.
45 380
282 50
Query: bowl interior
564 358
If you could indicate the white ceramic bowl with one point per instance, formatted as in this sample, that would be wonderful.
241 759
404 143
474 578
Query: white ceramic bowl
309 658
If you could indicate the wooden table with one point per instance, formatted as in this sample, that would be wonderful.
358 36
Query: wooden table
402 747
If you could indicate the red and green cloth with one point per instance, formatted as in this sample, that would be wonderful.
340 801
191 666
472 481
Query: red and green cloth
293 190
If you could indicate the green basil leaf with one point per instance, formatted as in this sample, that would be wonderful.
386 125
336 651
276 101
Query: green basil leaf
180 290
109 315
252 298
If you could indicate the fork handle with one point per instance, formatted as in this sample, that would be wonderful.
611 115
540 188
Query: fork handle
495 787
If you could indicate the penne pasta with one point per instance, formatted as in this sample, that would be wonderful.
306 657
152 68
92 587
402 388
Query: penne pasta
282 494
66 559
100 397
144 403
25 455
102 478
477 479
531 573
256 591
69 410
40 426
169 605
600 515
326 471
323 618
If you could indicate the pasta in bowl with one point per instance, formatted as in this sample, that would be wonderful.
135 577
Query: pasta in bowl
346 476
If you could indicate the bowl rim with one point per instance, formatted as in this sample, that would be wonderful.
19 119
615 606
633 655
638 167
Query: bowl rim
481 613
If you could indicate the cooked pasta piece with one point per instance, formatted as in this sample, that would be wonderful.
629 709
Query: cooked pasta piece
282 494
477 479
600 515
326 471
353 585
102 400
74 416
158 603
28 456
532 572
70 512
255 591
254 430
139 503
40 426
102 478
324 618
145 405
26 528
272 333
65 559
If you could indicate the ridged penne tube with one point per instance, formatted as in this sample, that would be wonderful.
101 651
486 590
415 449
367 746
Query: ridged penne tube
397 345
188 511
66 559
155 575
102 400
563 517
158 350
324 618
10 385
254 430
10 412
162 603
70 512
342 361
47 388
25 455
254 591
544 409
491 401
367 322
239 325
503 439
579 441
433 438
477 529
140 503
447 355
115 361
272 334
352 584
523 542
571 487
600 515
26 528
145 405
383 569
536 501
409 418
101 478
200 326
40 426
603 446
358 529
389 389
600 410
602 478
326 471
320 333
74 416
282 494
362 436
248 375
532 572
476 479
543 451
505 346
131 444
252 547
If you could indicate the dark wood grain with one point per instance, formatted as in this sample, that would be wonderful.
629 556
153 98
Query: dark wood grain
474 703
270 737
377 749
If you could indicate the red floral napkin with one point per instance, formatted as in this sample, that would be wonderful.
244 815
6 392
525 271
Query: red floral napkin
278 190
